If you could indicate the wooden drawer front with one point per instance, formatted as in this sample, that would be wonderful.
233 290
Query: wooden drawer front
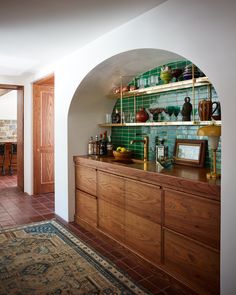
193 216
197 265
86 207
86 179
111 219
143 236
143 199
111 188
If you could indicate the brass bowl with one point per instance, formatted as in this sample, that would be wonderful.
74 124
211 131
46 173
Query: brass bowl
123 156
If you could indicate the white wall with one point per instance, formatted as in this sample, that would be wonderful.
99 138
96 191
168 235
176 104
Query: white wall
8 106
201 31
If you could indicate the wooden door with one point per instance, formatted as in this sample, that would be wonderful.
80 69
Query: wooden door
43 112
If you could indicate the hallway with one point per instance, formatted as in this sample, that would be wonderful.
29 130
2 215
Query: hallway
19 208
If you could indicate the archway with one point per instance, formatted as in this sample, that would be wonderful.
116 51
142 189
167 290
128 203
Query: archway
90 102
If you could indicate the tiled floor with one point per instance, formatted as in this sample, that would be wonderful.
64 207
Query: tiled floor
18 208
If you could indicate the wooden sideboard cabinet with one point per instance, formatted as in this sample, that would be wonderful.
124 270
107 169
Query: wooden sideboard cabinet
172 222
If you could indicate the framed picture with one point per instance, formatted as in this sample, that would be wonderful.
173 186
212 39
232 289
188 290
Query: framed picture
190 152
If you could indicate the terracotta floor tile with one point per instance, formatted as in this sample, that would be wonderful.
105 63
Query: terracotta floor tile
149 286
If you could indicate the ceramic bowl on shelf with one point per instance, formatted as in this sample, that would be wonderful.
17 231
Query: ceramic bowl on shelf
123 156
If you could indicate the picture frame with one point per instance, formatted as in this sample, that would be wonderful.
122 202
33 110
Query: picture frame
190 152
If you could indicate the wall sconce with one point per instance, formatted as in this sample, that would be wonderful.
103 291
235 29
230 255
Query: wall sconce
213 132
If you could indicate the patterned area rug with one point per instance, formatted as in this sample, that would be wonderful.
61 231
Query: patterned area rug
45 258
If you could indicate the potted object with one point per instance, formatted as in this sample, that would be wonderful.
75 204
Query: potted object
187 74
166 74
176 73
142 115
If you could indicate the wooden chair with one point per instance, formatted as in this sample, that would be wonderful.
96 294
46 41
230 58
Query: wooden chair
12 158
2 157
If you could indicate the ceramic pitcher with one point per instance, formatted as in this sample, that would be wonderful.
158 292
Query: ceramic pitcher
206 108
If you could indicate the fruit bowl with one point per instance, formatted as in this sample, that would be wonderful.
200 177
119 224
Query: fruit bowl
123 156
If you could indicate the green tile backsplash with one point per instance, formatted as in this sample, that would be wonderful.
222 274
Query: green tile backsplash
122 135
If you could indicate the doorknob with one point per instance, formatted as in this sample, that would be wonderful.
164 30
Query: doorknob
38 150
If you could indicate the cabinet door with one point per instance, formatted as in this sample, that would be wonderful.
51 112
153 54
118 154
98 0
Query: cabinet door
111 188
197 265
143 199
111 212
86 207
143 236
111 219
193 216
86 179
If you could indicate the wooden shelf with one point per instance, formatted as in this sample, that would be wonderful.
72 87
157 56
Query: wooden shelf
171 123
164 87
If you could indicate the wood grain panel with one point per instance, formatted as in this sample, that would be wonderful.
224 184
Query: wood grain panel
47 162
111 219
111 188
193 216
195 264
86 207
86 179
143 199
143 236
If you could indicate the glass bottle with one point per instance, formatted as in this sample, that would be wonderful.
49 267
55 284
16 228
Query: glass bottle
96 146
116 118
161 150
90 146
109 147
103 145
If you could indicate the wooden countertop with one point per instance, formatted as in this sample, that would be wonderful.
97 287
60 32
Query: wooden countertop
189 179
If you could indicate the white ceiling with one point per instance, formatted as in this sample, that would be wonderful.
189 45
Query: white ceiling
36 33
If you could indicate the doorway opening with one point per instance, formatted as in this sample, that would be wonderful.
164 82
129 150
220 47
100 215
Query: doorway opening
11 136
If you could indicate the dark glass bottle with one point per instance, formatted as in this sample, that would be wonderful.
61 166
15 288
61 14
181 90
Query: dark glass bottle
103 145
116 119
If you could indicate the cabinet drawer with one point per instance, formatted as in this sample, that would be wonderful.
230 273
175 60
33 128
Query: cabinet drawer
111 219
111 188
86 207
143 199
143 236
193 263
193 216
86 179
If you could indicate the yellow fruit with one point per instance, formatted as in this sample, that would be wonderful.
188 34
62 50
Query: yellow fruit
123 150
118 149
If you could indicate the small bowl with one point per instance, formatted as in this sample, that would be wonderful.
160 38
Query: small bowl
123 156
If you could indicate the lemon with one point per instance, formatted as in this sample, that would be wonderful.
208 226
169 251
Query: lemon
119 149
123 150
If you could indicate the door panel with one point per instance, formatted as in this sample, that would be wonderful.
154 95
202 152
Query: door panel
43 139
